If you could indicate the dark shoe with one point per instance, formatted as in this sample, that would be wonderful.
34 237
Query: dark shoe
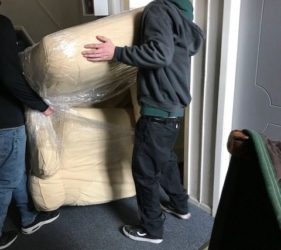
139 234
171 210
41 219
7 239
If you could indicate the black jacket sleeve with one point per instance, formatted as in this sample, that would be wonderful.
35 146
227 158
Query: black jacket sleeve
157 48
11 76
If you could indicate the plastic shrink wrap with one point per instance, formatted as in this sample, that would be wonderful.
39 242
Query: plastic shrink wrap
82 153
55 67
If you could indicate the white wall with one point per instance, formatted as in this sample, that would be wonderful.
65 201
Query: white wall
41 17
138 3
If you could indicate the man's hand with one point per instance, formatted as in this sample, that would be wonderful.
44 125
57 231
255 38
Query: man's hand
236 143
96 52
48 111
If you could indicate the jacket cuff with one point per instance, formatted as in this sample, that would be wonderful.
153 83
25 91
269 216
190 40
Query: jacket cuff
117 53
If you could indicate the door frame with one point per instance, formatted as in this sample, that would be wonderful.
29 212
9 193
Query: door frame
231 22
195 138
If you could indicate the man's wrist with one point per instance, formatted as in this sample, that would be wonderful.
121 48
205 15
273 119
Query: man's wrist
117 53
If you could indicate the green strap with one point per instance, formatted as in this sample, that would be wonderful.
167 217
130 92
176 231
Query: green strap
152 111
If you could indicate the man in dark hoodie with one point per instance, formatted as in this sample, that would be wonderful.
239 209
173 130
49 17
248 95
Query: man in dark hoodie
14 94
167 40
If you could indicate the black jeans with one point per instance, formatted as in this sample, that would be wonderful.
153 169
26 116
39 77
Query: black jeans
155 163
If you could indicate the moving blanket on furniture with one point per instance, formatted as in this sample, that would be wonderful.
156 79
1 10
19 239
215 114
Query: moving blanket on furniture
249 211
81 154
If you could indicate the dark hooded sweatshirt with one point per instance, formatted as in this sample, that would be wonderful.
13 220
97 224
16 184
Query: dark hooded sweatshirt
167 40
14 91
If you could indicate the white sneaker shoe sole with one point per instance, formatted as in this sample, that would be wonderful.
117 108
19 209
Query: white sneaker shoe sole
181 216
36 227
9 243
156 241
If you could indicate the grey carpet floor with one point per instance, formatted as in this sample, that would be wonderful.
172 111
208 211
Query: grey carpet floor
98 227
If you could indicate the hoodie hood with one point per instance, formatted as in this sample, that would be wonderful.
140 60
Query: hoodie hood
185 6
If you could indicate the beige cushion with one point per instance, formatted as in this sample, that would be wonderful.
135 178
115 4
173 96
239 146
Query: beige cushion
55 66
81 156
91 164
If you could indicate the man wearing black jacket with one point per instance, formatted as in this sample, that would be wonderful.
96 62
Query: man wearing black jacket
15 93
167 40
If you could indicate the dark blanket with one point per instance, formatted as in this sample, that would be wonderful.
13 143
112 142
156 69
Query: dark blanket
249 211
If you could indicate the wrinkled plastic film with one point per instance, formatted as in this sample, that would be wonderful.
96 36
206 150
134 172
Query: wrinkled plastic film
68 129
76 92
55 66
56 69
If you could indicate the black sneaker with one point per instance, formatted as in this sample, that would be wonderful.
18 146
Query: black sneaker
171 210
7 239
41 219
137 233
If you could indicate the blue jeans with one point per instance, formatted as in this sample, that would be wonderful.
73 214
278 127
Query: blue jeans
13 180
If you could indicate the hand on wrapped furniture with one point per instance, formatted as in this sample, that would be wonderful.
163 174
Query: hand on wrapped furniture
80 155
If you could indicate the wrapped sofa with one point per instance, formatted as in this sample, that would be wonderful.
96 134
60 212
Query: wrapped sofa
81 155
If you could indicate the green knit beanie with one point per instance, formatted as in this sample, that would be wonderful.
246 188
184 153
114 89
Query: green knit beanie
185 6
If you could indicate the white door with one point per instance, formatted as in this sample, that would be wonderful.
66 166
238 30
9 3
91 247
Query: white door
257 98
250 82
